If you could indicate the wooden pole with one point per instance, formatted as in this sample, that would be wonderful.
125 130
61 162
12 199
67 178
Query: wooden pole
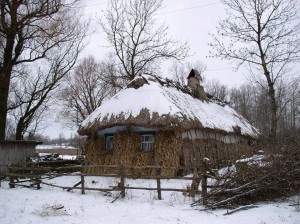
69 189
38 183
122 180
11 178
82 184
158 172
204 183
195 182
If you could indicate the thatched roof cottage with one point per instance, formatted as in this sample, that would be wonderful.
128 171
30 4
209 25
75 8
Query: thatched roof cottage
155 121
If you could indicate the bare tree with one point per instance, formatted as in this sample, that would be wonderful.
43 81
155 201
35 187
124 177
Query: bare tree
263 34
29 30
216 89
251 100
289 108
86 89
33 87
112 74
179 71
139 42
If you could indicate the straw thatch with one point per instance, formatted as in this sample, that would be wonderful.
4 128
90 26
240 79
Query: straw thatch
161 103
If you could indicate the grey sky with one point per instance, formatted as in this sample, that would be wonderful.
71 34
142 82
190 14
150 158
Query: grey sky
188 20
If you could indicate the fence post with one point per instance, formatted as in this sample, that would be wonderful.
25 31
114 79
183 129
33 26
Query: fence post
195 182
158 172
204 183
82 184
38 183
11 178
122 180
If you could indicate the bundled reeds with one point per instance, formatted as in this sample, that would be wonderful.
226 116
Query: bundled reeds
220 154
127 151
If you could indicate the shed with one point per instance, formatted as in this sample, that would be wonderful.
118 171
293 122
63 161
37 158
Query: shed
14 151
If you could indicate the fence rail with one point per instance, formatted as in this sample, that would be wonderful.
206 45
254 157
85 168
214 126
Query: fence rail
36 175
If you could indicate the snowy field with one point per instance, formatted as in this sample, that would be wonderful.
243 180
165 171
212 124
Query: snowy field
43 147
64 157
55 206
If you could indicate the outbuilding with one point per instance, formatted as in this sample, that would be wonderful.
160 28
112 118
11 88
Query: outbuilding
14 151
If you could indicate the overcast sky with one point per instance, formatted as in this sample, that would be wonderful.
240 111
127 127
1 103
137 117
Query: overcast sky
189 21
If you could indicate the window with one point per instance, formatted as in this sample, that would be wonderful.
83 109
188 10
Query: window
109 142
147 142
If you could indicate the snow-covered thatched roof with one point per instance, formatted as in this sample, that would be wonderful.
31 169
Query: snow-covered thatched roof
150 101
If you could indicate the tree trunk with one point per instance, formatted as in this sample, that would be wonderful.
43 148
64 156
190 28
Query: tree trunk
273 104
271 91
8 61
4 87
19 130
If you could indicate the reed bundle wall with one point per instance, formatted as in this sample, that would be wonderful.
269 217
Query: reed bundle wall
170 150
220 154
167 148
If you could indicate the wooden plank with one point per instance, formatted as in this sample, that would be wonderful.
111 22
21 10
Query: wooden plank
74 186
155 189
82 184
86 188
158 172
122 180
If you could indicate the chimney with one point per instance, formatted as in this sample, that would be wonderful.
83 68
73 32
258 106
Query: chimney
194 80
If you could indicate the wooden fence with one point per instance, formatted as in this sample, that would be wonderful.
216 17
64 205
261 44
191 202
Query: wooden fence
35 176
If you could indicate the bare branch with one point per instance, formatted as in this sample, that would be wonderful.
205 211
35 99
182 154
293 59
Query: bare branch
139 42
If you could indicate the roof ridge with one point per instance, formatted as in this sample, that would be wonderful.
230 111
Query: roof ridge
166 82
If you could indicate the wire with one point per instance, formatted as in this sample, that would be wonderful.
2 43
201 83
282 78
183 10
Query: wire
218 69
96 4
162 13
185 9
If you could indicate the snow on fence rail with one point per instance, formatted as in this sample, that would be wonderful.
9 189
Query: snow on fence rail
36 176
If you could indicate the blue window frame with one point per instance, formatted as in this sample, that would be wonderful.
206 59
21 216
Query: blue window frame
109 142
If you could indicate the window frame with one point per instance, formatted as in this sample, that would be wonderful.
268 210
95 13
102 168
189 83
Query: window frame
149 143
109 136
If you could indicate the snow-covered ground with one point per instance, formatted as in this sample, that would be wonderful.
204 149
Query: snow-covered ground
44 147
53 205
64 157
